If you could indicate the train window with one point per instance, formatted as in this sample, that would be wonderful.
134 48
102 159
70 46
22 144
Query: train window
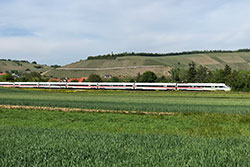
6 84
185 86
28 84
57 84
141 85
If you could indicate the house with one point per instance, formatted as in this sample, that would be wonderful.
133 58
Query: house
78 79
54 80
107 76
3 73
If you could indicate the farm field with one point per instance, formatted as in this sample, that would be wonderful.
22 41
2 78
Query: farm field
216 102
203 129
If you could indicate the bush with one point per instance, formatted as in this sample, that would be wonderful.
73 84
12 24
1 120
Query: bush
94 78
148 76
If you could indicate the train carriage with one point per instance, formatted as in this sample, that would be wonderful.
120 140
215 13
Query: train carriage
120 86
82 85
7 84
203 87
116 85
155 86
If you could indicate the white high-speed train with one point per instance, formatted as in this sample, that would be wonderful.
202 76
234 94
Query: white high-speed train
119 85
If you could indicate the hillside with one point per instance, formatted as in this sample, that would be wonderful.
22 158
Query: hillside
131 65
21 66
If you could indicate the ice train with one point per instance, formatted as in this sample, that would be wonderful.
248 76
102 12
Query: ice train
120 86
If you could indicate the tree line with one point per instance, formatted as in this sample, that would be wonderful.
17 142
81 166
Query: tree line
25 77
238 80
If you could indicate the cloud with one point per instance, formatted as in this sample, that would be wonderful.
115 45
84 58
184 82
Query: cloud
63 31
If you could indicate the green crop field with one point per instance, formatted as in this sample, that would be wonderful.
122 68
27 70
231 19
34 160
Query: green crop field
218 102
204 129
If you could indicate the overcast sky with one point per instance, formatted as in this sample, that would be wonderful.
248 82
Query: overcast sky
65 31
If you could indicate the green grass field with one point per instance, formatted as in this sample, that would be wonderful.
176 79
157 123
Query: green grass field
206 129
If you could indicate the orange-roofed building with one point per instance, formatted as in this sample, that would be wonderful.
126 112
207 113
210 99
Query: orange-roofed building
78 79
54 79
3 73
121 76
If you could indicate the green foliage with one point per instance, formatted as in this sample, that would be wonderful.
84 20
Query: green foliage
148 76
32 77
74 80
38 67
237 80
191 73
94 78
55 66
162 79
227 70
175 74
203 75
9 77
114 79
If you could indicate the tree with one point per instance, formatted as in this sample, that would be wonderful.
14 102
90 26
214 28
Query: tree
236 81
227 70
175 74
222 75
138 77
162 79
114 79
203 74
9 77
55 66
32 77
94 78
148 76
191 73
